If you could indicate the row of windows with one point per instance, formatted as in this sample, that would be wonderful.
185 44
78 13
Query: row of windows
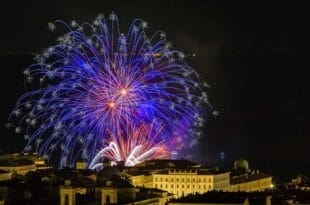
181 180
181 186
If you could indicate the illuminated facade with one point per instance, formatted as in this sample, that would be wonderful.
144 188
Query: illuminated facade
21 164
189 181
253 183
244 179
5 175
112 192
20 167
139 178
181 177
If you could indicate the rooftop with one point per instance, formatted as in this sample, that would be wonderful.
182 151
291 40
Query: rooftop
15 163
168 163
196 171
247 177
3 171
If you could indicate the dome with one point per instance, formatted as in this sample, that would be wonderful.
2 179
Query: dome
241 164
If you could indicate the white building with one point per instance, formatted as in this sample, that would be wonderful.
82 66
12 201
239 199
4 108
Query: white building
182 182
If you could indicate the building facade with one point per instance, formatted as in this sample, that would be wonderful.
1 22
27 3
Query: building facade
182 182
251 185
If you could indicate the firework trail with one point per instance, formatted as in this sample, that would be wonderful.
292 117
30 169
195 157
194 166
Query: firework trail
134 146
95 80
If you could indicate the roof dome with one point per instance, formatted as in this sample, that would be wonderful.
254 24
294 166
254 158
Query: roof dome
241 164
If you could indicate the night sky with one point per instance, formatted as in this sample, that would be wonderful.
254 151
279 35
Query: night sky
255 57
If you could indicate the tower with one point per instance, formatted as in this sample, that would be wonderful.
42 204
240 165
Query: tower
68 193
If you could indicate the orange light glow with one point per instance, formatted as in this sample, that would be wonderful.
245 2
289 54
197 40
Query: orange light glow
123 91
111 105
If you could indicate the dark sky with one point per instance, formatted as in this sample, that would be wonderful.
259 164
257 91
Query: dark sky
255 56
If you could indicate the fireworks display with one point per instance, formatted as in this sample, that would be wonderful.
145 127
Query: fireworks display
106 94
133 146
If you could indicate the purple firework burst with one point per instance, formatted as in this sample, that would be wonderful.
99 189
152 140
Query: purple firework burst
96 80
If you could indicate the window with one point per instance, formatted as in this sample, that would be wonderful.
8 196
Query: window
155 185
161 186
193 186
193 180
166 186
187 180
172 179
204 186
209 186
198 186
209 180
108 199
198 180
177 186
188 186
177 179
66 199
166 179
182 186
171 185
156 179
204 180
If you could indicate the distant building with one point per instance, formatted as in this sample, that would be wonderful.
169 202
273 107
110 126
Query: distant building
68 193
250 182
182 177
301 182
139 178
179 177
182 182
112 190
5 175
81 165
19 166
246 180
